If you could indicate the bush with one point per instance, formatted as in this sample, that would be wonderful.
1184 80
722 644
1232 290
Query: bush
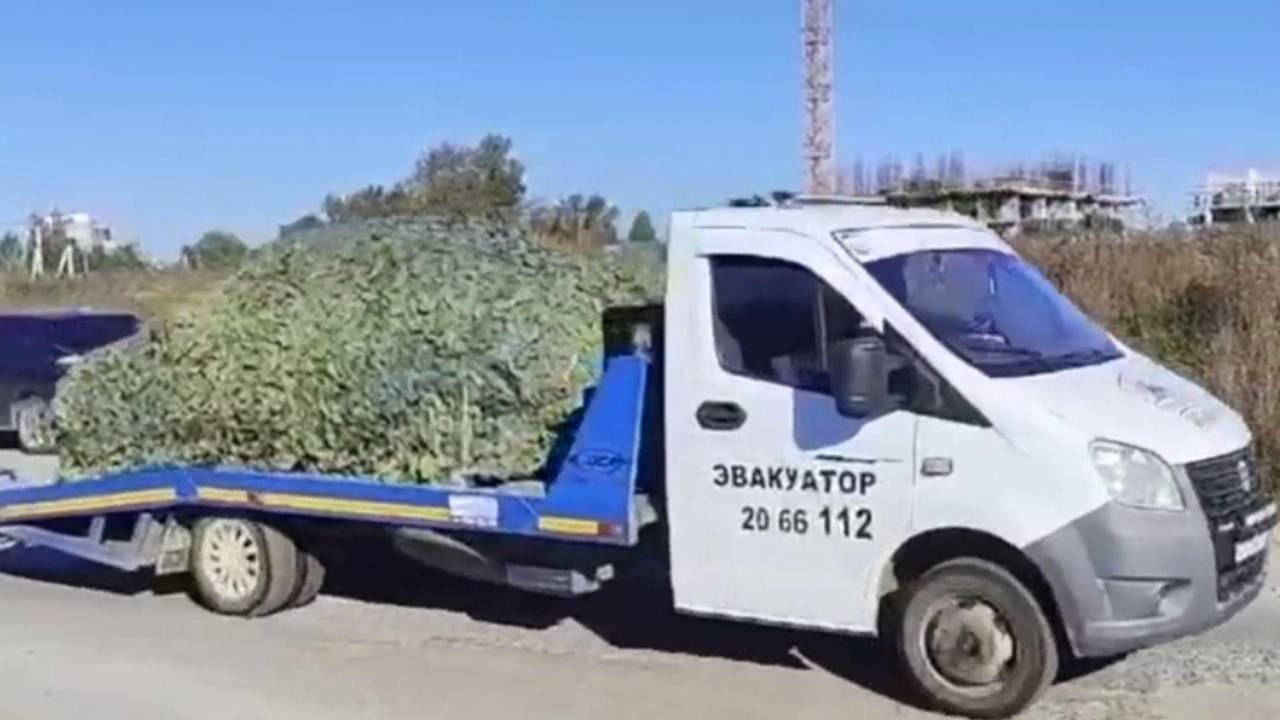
409 350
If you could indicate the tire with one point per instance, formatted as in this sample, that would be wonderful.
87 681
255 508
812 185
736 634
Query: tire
30 416
974 640
243 568
312 582
286 566
236 590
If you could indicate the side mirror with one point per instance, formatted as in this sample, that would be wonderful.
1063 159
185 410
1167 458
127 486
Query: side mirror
859 376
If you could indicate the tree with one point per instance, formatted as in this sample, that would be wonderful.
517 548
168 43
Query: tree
216 250
577 222
302 224
642 229
125 257
480 181
372 201
452 181
11 251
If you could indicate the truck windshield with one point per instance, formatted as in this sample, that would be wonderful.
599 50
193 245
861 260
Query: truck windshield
994 310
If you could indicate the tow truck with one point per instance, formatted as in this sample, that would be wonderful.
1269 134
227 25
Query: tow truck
841 417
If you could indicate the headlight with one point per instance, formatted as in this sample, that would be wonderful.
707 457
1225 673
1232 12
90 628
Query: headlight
1136 477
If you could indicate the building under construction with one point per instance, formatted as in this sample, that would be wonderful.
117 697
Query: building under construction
1052 195
1229 199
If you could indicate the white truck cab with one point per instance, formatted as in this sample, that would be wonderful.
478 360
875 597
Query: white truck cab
885 421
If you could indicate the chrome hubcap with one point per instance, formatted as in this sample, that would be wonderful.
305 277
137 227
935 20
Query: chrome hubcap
233 558
968 642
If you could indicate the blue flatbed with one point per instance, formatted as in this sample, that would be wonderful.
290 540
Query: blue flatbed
591 496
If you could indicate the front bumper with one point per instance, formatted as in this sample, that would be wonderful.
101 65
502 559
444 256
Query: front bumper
1125 579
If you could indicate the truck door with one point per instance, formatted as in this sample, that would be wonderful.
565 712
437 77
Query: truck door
780 508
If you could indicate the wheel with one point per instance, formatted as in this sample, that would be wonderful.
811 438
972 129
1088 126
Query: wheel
242 567
31 415
975 641
228 562
285 568
312 582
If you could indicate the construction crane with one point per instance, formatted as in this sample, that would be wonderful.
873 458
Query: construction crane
819 109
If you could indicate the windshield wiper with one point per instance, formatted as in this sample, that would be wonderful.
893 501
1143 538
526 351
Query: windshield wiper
1081 358
1001 349
1016 360
1006 350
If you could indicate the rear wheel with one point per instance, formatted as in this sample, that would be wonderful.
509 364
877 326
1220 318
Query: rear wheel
241 567
975 641
285 568
312 582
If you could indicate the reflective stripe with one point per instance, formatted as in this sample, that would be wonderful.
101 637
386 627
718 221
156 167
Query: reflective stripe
326 504
92 502
568 526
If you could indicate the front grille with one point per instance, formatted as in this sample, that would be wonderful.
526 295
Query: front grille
1229 489
1220 485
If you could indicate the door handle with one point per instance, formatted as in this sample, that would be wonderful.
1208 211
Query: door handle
716 415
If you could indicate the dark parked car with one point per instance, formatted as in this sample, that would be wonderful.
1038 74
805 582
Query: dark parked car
37 349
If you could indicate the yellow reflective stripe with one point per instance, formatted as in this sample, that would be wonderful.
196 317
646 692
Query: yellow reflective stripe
568 526
356 507
326 504
92 502
320 503
222 495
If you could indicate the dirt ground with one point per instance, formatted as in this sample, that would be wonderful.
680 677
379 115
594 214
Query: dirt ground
390 641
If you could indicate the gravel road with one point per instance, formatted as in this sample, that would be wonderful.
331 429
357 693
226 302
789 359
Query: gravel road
74 642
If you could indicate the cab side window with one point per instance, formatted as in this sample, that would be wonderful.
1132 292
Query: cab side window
774 319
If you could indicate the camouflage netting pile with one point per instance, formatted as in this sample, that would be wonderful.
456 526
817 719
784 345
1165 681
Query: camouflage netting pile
406 350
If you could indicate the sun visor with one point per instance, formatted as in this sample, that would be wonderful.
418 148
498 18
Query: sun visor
875 243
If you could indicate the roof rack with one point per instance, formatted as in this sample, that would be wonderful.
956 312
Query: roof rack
786 199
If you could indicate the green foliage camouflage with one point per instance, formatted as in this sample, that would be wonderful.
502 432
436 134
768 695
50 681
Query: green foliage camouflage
410 350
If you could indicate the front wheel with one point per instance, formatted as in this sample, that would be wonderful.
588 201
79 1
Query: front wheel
975 641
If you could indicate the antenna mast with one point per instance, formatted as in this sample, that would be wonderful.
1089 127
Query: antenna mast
819 111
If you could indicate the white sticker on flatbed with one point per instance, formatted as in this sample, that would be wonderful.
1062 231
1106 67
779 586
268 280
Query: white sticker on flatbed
479 510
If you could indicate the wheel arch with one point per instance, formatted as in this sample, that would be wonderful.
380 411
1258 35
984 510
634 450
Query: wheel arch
936 546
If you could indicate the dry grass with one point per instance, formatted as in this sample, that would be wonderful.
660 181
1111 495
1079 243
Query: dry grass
1207 304
152 294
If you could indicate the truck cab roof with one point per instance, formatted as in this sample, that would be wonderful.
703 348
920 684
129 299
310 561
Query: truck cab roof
850 220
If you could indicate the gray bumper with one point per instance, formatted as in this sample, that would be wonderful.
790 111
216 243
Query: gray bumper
1125 579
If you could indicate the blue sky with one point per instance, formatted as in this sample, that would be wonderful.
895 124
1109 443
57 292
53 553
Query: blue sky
170 118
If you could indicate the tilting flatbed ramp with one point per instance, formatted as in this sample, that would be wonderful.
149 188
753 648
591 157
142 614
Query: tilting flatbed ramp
590 499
